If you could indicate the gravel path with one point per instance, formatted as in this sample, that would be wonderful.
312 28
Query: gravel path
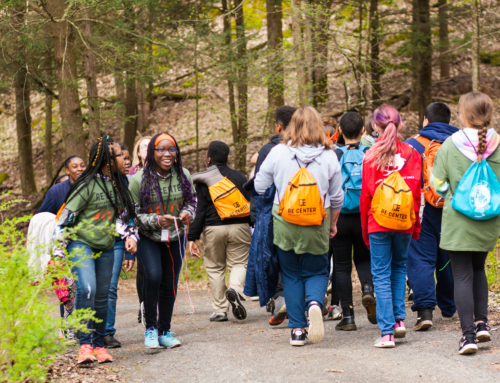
253 351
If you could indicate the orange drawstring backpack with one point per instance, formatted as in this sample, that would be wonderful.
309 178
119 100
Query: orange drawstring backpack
228 200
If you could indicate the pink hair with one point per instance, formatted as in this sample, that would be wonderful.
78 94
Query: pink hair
382 153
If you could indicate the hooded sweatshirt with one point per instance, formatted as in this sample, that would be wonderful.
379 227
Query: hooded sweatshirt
409 164
460 233
279 167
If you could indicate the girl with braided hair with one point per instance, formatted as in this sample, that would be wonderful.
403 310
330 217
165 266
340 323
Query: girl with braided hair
100 196
166 203
468 241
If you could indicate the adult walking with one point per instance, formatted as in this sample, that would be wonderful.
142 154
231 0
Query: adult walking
389 206
303 249
166 200
466 234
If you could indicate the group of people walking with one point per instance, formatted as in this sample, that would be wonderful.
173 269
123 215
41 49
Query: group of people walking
322 196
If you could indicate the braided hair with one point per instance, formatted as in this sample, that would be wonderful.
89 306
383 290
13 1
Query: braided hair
101 154
150 180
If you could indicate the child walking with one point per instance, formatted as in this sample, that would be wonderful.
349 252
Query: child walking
164 195
348 244
390 203
301 236
469 240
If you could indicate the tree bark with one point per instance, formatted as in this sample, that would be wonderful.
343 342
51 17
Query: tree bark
230 84
414 66
23 127
425 60
309 52
299 52
130 129
241 143
275 87
476 44
48 139
375 53
91 80
63 37
444 41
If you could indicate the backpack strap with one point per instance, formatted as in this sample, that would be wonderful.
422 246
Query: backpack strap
424 141
408 160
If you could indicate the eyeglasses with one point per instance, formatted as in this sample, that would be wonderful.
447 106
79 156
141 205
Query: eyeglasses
143 147
162 151
119 155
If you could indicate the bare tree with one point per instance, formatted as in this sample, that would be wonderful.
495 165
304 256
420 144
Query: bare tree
444 41
425 61
375 53
299 52
476 86
48 139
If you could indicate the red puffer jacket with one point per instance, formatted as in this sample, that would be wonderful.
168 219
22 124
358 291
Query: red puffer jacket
372 177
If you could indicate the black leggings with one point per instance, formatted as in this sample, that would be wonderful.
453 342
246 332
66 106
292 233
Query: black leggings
471 287
349 236
160 265
139 281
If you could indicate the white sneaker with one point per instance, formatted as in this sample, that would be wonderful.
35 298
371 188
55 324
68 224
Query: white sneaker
316 330
386 341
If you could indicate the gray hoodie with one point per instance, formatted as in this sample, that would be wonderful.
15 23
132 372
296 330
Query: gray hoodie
281 165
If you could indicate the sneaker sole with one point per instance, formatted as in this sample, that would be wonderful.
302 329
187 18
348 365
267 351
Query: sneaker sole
349 327
483 336
239 310
385 345
399 333
316 330
297 342
468 349
89 360
423 326
370 305
280 316
105 361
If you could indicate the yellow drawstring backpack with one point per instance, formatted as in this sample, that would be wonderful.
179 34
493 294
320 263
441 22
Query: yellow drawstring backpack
392 204
228 200
302 204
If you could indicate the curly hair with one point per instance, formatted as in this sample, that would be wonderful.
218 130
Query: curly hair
150 183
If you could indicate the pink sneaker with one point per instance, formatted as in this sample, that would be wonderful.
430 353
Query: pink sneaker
386 341
399 329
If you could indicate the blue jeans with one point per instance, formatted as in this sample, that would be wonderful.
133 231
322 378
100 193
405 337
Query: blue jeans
305 279
92 284
426 257
389 250
118 250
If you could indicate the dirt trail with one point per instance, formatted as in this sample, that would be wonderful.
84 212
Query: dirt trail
253 351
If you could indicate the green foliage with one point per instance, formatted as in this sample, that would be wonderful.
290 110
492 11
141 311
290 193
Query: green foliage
491 58
29 340
196 270
493 268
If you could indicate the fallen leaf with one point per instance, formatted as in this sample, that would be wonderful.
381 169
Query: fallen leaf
332 370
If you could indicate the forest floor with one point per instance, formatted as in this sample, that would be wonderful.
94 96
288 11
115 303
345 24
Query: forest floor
253 351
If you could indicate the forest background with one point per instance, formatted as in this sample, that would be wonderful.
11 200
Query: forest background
204 70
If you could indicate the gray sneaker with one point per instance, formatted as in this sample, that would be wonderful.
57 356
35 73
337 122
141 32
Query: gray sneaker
218 317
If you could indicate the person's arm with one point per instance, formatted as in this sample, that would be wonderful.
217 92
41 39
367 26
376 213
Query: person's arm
336 195
417 198
188 211
365 202
49 205
439 176
265 177
198 224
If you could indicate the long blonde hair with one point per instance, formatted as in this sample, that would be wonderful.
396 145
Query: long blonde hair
477 109
306 128
137 159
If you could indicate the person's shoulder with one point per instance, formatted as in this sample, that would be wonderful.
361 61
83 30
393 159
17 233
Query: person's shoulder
136 177
187 172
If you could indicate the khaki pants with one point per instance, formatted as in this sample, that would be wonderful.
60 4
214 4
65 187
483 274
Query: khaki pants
226 246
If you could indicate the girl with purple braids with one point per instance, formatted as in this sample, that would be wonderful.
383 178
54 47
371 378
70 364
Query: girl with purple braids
166 203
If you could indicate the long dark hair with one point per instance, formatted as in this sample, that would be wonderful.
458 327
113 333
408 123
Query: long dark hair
101 154
150 177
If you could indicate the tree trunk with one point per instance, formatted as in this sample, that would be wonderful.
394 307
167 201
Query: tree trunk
375 50
120 88
67 78
299 52
425 61
309 53
91 79
48 139
321 38
241 143
130 129
475 46
444 41
23 127
414 66
230 85
275 87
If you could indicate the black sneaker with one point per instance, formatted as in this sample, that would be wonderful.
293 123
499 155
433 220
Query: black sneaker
233 297
468 344
424 320
298 337
111 342
218 317
369 303
482 332
347 322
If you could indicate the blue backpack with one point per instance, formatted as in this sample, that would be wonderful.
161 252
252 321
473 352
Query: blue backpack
351 164
478 193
